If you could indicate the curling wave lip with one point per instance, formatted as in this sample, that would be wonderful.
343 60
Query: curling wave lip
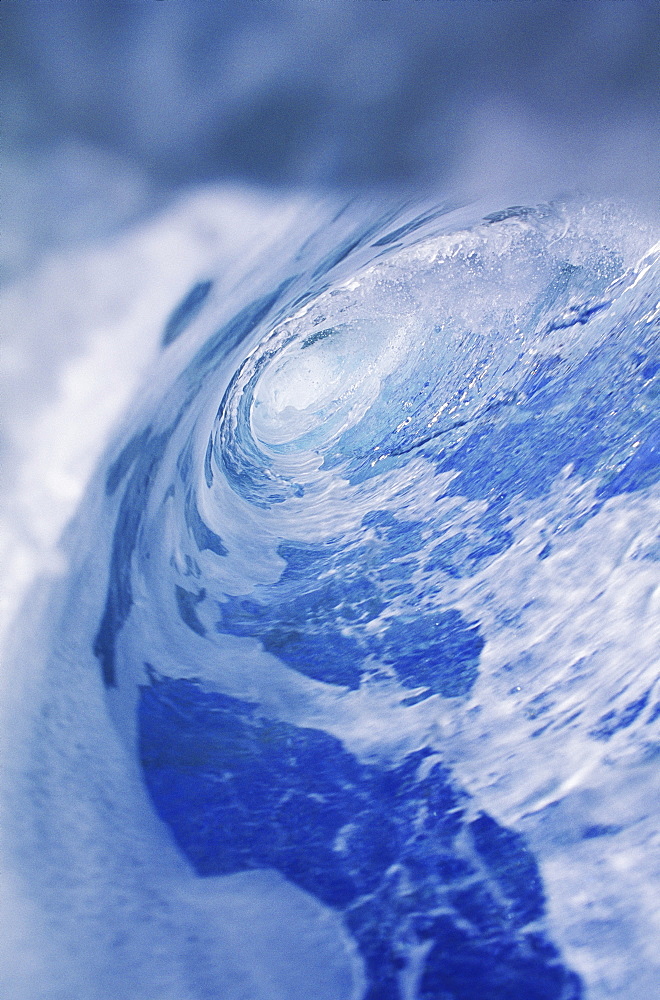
339 579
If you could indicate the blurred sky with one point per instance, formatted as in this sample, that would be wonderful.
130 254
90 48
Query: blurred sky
108 107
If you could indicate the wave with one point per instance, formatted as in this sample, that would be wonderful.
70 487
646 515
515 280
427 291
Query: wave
365 585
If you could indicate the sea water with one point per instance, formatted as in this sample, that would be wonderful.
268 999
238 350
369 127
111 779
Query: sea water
342 680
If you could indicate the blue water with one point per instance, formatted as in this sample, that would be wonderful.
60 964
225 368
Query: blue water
322 545
362 607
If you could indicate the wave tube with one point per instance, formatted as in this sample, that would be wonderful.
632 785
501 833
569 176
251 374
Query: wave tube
349 689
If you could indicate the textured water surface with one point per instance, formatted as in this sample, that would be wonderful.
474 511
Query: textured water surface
368 584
